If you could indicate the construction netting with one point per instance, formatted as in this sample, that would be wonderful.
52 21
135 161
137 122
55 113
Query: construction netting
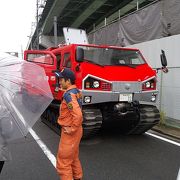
160 19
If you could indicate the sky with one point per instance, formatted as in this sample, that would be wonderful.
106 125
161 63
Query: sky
16 19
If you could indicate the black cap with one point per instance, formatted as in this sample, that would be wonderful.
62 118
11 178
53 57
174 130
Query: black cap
66 73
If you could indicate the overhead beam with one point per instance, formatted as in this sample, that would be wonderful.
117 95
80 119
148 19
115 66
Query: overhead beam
55 10
130 6
87 12
119 6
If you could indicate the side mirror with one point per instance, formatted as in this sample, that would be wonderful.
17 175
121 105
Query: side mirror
163 62
163 59
79 54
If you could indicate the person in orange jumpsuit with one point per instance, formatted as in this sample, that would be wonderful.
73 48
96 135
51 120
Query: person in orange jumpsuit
70 119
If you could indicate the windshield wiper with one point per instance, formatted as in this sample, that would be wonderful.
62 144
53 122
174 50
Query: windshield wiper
93 63
129 65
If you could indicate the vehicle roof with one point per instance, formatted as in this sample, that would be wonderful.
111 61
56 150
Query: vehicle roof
91 45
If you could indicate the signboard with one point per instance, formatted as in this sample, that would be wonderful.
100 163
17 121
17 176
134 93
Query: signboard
75 36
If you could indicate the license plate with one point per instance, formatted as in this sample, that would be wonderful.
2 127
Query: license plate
125 97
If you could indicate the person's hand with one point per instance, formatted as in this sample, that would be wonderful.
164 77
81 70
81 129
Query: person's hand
67 130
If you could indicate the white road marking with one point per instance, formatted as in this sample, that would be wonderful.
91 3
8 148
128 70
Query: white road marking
164 139
52 158
44 148
178 177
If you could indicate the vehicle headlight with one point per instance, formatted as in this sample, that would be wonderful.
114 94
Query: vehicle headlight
96 84
148 84
56 89
87 99
153 98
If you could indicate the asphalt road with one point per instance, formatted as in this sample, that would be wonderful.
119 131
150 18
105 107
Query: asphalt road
108 156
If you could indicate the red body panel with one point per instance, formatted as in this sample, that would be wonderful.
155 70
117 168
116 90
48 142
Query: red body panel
110 73
49 68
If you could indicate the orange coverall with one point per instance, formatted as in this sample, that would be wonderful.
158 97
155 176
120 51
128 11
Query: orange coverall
68 164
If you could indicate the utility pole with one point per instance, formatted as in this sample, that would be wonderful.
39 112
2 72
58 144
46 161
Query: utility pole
55 31
137 5
37 24
39 8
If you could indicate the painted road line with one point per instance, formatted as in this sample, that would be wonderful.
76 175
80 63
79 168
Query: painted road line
52 158
163 139
178 177
44 148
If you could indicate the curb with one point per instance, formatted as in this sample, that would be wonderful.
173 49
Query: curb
162 131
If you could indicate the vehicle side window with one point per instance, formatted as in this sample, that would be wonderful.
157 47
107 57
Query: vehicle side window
40 58
135 60
58 57
67 60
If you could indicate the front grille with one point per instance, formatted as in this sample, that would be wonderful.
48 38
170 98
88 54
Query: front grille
106 86
126 87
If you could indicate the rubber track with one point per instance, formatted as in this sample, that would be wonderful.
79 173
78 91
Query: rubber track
149 116
92 121
49 117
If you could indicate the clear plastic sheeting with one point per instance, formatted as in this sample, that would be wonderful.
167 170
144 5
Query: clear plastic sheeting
24 96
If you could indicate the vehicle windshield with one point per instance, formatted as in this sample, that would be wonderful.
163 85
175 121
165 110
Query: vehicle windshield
110 56
40 58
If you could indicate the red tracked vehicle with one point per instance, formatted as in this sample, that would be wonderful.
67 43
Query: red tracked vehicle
117 85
